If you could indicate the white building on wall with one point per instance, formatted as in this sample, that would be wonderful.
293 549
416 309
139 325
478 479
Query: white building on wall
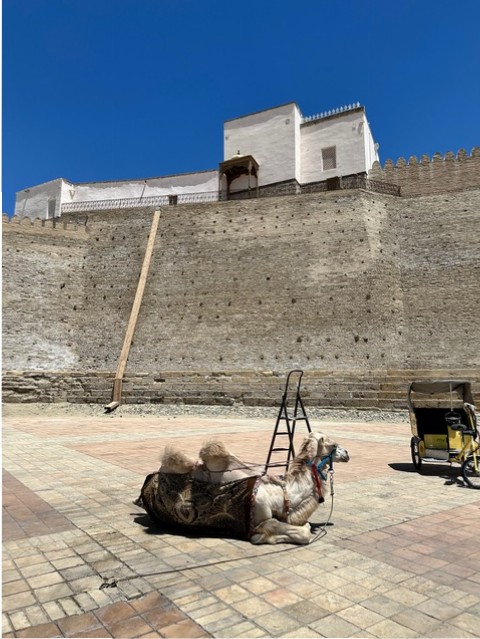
263 150
289 147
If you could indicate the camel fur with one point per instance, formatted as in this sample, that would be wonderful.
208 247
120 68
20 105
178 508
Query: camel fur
216 464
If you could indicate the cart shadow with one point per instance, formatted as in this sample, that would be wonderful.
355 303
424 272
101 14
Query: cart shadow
451 476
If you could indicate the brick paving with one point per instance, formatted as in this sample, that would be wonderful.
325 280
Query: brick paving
24 514
401 559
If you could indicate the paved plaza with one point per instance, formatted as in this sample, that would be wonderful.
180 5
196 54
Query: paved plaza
80 560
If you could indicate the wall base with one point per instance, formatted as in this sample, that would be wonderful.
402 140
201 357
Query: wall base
355 389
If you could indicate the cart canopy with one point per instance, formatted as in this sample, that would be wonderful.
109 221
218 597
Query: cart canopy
463 389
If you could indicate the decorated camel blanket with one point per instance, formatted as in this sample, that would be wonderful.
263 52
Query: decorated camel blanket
180 500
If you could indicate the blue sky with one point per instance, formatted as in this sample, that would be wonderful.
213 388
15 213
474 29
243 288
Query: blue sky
114 89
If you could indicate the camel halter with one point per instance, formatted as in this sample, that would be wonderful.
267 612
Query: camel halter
322 463
317 470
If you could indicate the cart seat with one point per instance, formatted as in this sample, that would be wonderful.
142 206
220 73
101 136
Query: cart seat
465 430
436 441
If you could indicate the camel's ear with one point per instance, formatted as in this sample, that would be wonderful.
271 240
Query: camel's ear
320 443
309 447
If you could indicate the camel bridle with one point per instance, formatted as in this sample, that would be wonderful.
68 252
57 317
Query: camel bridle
318 472
327 459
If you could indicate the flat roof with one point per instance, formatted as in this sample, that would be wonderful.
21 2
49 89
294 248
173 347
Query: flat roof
261 111
140 179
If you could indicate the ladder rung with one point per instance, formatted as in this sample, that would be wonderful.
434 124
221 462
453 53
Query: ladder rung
276 465
276 450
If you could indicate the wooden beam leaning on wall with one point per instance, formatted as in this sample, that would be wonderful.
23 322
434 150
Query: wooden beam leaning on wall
132 322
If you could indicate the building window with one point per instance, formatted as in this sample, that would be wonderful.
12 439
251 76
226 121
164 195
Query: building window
173 200
329 158
52 205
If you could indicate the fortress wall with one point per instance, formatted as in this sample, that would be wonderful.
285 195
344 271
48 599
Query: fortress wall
113 264
440 256
426 176
305 281
363 291
326 388
43 274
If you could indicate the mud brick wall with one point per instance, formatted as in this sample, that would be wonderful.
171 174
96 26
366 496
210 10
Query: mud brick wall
43 276
113 264
348 286
292 282
440 264
359 389
425 176
57 386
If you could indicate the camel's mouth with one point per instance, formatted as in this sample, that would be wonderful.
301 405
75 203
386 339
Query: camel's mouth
341 455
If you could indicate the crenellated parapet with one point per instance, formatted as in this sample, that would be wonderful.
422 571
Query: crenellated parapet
55 228
428 176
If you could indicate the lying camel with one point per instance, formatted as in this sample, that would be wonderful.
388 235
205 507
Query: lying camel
221 492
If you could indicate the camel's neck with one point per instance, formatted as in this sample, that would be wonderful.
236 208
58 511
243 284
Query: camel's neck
303 493
300 481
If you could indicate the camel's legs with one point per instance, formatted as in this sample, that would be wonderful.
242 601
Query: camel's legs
273 531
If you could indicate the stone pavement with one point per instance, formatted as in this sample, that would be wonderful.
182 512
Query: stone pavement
79 560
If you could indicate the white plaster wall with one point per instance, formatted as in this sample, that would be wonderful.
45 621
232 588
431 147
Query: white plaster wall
241 183
298 146
345 131
68 190
371 153
33 202
201 182
270 137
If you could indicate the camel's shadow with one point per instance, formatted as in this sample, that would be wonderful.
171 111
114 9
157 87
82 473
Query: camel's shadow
155 528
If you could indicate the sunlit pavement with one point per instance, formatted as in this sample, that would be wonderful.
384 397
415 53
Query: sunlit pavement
80 560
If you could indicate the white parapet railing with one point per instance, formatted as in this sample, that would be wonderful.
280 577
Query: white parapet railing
291 188
140 202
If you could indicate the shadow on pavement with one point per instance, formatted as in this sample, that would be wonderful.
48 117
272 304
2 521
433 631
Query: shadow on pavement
451 475
155 528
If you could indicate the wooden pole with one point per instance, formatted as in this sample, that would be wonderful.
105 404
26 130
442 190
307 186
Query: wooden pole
122 362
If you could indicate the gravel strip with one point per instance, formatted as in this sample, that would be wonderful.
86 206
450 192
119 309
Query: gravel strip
174 410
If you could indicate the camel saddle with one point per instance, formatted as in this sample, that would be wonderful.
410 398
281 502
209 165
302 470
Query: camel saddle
180 500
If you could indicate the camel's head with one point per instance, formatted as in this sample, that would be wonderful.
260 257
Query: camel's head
322 446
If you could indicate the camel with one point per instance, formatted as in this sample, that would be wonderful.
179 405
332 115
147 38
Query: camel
220 492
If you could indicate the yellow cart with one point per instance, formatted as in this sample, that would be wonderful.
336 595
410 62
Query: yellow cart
444 426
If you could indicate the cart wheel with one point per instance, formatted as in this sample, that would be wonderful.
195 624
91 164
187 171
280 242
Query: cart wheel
470 475
416 459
